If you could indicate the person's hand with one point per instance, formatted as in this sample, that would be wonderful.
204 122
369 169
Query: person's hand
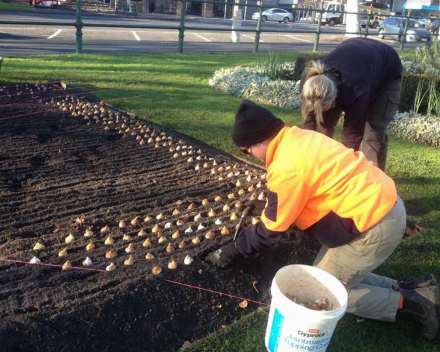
224 256
257 207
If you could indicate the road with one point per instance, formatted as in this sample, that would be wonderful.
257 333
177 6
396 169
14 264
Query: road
44 39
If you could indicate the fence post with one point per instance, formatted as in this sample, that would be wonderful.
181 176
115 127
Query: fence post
403 38
318 31
367 27
258 30
79 26
182 26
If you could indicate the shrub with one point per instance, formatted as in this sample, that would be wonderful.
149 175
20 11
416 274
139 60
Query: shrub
410 84
304 62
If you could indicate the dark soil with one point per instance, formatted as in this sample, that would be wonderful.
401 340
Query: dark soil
55 168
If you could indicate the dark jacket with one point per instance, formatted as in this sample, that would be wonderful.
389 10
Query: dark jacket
364 68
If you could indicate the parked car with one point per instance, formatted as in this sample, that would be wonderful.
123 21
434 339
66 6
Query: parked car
279 15
375 21
45 3
394 27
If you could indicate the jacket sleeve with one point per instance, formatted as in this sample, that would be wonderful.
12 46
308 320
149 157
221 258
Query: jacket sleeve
256 238
286 199
287 195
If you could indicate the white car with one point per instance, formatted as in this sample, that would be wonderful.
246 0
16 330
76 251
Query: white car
279 15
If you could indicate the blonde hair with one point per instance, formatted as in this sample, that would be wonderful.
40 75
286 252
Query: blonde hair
319 90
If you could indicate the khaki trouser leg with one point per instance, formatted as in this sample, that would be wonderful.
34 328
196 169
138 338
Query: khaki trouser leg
369 295
380 113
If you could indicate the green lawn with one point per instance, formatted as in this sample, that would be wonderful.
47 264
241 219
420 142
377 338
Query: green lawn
174 93
6 6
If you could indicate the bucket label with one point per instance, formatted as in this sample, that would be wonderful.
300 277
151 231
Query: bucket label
275 333
307 340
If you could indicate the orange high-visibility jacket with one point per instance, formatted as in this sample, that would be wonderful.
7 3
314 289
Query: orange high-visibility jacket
313 180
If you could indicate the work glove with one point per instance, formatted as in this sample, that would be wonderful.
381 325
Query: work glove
257 207
224 256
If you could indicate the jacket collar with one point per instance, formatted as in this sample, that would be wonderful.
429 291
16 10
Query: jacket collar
273 146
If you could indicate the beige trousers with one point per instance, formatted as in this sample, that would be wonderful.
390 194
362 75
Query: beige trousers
369 295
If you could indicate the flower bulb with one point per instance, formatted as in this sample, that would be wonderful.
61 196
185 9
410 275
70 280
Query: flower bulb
87 262
80 220
148 218
170 248
211 213
176 212
201 227
205 165
213 171
255 221
262 196
39 246
62 253
175 235
259 185
147 243
109 240
234 216
67 265
35 260
155 229
90 246
162 239
182 244
69 239
214 163
238 184
218 222
191 206
198 217
149 256
189 230
251 188
160 217
249 178
168 225
142 142
231 196
205 202
122 224
88 233
156 270
130 248
224 231
172 265
176 155
238 204
135 221
226 207
218 199
190 160
196 240
142 233
197 168
111 254
129 261
230 175
179 222
110 267
126 237
241 192
188 260
209 235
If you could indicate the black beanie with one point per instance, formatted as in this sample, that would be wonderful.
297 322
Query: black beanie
254 124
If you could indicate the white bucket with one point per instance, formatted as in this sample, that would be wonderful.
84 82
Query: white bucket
292 327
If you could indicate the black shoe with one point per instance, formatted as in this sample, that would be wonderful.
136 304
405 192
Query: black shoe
424 304
423 281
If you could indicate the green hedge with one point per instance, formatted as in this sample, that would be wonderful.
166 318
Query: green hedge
409 83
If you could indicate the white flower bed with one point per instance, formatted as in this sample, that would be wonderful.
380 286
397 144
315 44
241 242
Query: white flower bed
252 83
416 128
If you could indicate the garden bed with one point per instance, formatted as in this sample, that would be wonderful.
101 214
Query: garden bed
62 174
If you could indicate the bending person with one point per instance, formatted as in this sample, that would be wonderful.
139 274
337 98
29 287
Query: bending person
361 77
350 206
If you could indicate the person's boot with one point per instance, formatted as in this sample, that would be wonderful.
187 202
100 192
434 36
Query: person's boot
424 305
423 281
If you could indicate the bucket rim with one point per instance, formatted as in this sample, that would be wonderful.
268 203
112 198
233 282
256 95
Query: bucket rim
343 306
